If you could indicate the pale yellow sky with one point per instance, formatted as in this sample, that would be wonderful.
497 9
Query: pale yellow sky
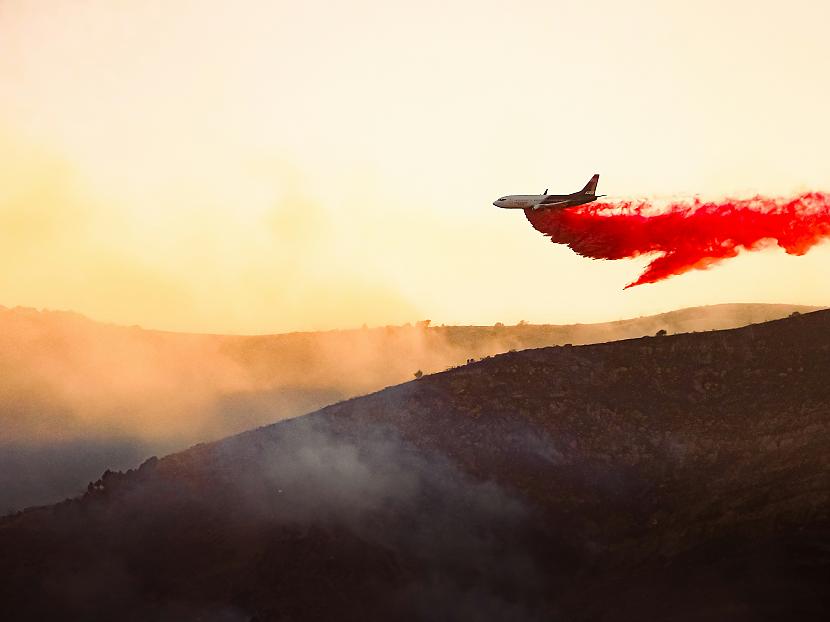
262 166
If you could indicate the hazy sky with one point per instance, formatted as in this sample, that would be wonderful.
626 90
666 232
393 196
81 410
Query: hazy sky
268 166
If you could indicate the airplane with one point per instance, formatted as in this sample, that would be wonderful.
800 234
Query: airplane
551 201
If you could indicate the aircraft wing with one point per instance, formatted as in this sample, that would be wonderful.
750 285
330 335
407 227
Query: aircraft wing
548 204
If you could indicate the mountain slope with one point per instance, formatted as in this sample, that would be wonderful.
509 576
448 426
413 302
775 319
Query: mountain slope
77 396
674 478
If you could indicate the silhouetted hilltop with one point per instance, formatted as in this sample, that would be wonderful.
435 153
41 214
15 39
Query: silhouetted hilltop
663 478
78 396
82 373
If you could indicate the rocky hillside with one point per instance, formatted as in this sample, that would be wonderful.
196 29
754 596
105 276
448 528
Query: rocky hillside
65 376
77 396
682 477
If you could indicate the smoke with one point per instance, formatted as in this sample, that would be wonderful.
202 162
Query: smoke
321 508
77 396
687 235
40 472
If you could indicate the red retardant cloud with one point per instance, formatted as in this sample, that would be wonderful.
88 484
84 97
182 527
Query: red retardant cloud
686 235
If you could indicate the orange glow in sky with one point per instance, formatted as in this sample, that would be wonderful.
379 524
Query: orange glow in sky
266 166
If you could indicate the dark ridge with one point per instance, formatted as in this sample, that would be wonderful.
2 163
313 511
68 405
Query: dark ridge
681 477
78 396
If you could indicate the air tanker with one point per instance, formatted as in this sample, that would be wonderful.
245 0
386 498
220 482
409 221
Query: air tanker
551 201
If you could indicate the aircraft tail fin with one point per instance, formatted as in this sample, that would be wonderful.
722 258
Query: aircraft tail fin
591 186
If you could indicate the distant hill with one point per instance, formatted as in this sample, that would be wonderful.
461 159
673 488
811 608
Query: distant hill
682 477
78 396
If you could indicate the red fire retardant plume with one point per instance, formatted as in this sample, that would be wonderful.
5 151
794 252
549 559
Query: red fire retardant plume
686 235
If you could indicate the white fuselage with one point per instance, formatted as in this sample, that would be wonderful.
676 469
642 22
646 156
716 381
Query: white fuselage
519 201
551 201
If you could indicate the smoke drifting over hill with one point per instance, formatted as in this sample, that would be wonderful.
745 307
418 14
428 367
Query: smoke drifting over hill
78 397
687 235
333 491
666 478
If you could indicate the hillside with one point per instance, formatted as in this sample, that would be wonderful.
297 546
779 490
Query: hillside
675 478
78 396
